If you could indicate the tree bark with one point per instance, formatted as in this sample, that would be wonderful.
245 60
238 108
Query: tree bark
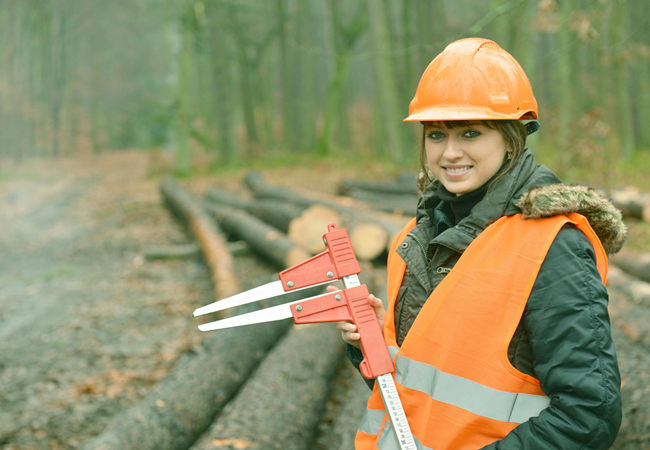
274 212
303 226
282 403
636 264
632 203
369 234
406 186
213 244
264 239
175 251
630 306
403 205
183 405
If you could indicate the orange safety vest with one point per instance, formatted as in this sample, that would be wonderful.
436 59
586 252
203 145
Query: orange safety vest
457 386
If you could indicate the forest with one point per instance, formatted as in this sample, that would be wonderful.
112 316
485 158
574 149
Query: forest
244 80
157 156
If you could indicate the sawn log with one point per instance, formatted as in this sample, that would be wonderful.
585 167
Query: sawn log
304 225
263 238
212 243
634 263
370 235
280 406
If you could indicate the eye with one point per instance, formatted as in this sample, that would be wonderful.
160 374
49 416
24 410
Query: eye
471 134
435 135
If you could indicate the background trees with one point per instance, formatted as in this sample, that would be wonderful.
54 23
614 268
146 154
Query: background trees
248 79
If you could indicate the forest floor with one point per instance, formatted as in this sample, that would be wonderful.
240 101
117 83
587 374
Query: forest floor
87 324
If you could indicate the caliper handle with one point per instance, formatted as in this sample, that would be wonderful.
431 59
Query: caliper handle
351 305
336 262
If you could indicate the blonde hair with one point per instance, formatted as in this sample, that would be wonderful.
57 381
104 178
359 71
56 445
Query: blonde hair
514 134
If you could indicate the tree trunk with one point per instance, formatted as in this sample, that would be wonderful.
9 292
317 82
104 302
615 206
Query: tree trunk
632 203
282 403
368 233
274 212
222 82
181 407
401 205
183 158
213 245
634 263
266 240
304 226
630 306
388 115
399 187
566 115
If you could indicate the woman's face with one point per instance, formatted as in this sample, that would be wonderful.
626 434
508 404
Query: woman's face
463 158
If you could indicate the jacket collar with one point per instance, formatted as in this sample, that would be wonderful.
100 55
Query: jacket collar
534 191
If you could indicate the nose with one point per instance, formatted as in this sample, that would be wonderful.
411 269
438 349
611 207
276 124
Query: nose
453 149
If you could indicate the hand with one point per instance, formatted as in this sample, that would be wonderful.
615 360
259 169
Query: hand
349 330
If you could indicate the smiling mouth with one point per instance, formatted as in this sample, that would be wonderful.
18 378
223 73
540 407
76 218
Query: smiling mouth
457 169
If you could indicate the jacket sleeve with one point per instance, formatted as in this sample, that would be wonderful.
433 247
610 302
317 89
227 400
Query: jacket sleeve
355 356
573 354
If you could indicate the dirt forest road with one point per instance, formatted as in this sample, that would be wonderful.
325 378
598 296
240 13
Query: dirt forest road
87 325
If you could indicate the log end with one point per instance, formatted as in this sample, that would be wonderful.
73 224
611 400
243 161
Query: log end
368 240
307 230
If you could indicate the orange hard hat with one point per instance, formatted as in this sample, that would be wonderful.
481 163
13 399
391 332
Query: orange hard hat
473 79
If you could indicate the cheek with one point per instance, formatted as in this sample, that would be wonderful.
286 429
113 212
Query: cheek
433 155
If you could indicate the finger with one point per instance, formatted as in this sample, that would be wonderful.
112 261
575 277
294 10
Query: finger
345 326
332 289
351 338
377 304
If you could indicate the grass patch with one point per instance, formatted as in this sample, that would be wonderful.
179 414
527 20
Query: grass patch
58 272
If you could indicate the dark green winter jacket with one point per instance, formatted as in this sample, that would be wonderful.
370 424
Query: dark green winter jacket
564 337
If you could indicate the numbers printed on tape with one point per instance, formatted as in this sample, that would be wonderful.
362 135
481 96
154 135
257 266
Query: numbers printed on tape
396 412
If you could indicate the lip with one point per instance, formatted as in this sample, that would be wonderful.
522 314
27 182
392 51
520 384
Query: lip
453 172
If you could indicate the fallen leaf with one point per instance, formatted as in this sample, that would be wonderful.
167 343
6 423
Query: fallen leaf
237 443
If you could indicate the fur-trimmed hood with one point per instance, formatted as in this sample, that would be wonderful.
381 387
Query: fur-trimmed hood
555 199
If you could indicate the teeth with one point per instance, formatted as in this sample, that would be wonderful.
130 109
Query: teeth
458 170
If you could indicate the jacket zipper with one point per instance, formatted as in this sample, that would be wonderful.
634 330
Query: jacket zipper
429 261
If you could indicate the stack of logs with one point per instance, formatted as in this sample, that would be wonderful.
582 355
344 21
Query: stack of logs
279 386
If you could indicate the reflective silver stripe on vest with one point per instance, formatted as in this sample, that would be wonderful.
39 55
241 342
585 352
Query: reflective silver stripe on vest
371 424
468 395
372 420
388 440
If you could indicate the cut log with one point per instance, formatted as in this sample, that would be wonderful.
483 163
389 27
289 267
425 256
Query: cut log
280 406
637 291
172 251
212 243
635 374
183 405
400 187
372 237
633 262
630 306
347 404
276 213
632 203
345 409
405 205
263 238
307 229
304 226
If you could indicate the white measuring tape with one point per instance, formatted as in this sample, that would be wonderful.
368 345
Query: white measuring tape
396 412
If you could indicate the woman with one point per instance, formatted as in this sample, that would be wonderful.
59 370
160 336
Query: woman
497 310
